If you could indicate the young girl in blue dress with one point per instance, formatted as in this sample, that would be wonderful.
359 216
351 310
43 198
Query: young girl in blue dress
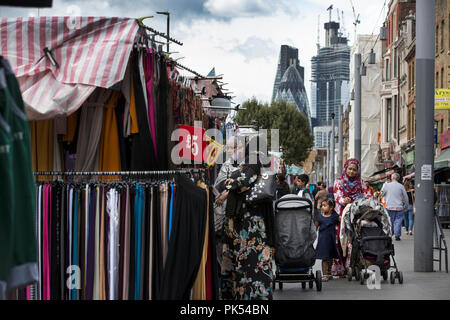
326 249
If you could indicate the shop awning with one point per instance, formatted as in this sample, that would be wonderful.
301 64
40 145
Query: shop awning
443 160
394 167
59 61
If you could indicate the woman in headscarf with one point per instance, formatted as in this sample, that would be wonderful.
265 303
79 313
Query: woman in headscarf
248 237
348 188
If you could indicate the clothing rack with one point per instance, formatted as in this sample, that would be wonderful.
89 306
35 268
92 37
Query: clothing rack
190 70
161 34
116 173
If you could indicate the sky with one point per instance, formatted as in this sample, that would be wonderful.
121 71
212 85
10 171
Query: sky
240 38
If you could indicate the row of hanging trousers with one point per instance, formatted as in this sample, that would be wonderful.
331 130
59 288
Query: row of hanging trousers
149 240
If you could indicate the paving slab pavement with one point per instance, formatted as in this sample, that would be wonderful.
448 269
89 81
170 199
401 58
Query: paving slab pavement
416 285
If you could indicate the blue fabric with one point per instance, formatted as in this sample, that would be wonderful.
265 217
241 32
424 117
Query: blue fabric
326 244
171 209
409 218
396 221
138 208
75 238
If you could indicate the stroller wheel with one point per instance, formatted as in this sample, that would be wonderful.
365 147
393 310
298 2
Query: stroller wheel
385 275
318 280
392 276
311 284
400 277
303 285
349 274
357 274
280 285
362 277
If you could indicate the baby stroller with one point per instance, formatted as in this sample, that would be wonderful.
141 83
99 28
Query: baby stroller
295 234
370 236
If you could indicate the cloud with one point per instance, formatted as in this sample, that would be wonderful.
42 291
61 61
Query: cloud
237 8
241 39
255 48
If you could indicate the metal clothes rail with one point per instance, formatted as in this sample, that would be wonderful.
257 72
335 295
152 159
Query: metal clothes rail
161 34
117 173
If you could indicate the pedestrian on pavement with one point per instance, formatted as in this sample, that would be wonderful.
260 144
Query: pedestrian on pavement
409 214
321 195
301 181
234 149
330 194
282 186
326 249
248 236
396 199
368 186
348 188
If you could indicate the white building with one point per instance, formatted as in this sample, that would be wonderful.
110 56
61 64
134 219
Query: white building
371 104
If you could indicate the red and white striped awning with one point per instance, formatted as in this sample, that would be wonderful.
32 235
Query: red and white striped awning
90 51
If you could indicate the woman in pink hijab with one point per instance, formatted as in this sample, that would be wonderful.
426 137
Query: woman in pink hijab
348 188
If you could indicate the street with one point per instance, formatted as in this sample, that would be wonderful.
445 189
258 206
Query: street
416 285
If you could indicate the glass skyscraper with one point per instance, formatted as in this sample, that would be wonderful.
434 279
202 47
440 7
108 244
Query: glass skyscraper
289 81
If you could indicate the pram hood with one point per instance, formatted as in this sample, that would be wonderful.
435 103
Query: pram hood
369 208
294 232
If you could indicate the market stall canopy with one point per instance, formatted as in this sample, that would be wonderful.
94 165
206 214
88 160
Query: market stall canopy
59 61
443 160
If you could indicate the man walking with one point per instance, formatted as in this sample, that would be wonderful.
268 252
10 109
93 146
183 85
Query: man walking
396 199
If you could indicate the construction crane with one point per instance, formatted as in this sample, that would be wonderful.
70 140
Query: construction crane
330 9
318 33
357 21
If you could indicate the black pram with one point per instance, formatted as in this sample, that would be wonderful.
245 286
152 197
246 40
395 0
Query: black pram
295 234
368 229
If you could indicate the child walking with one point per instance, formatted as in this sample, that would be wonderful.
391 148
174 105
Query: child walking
326 249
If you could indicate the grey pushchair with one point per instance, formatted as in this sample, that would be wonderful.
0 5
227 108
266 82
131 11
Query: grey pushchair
368 227
295 234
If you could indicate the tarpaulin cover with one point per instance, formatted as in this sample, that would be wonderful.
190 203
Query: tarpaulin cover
295 233
89 51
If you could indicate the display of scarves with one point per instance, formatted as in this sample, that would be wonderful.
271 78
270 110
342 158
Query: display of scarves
108 241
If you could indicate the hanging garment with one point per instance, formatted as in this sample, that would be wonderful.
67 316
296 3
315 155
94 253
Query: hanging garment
186 244
157 273
102 249
42 141
7 201
113 248
151 243
161 122
24 269
163 192
199 289
55 241
148 66
109 157
138 216
90 131
71 127
123 145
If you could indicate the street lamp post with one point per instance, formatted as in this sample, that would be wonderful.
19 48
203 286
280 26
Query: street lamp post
166 13
424 158
358 106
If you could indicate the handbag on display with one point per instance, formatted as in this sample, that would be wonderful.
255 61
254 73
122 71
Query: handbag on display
263 189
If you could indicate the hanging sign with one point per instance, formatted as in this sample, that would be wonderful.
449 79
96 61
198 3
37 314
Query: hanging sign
442 99
191 144
426 172
195 144
212 151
